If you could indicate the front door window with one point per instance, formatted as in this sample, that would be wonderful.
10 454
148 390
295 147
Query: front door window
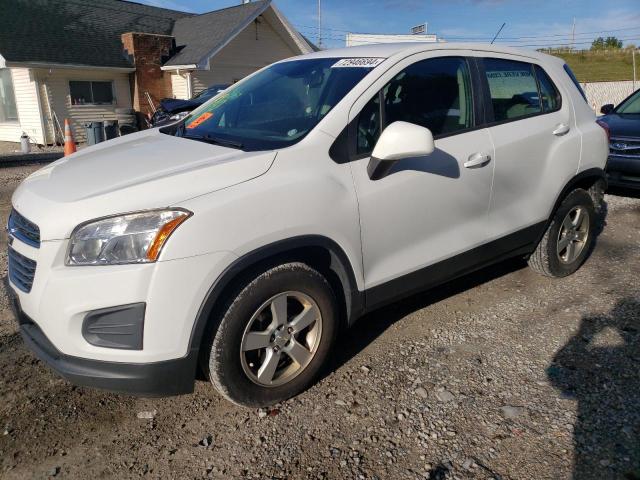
434 93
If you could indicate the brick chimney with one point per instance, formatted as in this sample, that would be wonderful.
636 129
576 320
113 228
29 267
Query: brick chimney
148 52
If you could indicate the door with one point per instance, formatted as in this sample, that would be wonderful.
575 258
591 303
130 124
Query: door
430 208
537 147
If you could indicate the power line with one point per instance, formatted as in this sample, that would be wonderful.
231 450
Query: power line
544 42
545 45
488 36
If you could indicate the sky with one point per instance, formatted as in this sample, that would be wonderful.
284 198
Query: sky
529 23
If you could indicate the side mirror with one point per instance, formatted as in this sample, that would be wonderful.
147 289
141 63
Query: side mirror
607 109
399 140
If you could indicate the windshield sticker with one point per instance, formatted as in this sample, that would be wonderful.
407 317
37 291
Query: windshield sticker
358 63
201 119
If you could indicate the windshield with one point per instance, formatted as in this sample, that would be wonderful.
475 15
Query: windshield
630 105
278 106
210 92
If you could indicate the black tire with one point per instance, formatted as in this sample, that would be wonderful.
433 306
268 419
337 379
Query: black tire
546 260
221 353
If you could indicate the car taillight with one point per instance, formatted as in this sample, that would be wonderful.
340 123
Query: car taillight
606 129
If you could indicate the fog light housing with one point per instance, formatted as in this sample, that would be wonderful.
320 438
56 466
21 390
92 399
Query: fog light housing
115 327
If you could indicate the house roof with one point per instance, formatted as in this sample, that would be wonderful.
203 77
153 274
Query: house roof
76 32
88 32
201 35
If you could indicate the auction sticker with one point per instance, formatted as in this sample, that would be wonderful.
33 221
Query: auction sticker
363 62
201 119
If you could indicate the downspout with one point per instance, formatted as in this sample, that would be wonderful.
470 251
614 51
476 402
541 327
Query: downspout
43 128
189 85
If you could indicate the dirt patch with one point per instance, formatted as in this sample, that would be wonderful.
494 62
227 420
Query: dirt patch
502 374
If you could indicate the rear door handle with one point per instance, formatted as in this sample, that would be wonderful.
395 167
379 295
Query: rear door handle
477 160
561 129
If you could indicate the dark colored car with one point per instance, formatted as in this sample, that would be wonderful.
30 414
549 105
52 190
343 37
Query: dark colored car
623 166
173 109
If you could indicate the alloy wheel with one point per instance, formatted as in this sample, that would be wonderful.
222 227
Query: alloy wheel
573 234
281 339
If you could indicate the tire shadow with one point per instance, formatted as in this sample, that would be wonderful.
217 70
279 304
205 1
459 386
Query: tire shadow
366 329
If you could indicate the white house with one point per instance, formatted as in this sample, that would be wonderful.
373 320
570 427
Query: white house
84 60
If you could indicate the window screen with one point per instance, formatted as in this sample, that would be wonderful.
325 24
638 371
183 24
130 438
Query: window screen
513 89
434 93
91 93
102 92
8 111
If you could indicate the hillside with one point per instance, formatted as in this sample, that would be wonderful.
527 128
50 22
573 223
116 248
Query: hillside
606 66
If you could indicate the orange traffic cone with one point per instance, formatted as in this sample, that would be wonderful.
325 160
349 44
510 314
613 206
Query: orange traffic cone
69 142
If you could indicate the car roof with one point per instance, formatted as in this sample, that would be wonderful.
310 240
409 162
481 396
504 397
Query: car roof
388 50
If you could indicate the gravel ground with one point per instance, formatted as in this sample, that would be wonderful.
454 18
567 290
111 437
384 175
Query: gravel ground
13 148
10 154
503 374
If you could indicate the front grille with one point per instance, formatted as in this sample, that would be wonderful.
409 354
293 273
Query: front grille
624 147
24 230
22 270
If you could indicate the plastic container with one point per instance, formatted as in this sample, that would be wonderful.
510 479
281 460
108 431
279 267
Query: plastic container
94 132
110 129
25 146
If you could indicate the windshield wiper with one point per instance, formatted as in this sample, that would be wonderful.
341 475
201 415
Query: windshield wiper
215 140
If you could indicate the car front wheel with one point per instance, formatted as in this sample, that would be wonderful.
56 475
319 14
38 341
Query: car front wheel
274 336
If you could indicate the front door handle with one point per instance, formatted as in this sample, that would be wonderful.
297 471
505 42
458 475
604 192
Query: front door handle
561 129
477 160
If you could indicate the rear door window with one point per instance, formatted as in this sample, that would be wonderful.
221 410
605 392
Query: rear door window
549 95
575 81
513 89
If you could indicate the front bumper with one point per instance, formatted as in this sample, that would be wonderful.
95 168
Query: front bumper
52 315
164 378
623 172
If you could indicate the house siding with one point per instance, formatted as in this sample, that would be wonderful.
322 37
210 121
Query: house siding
179 86
29 119
55 92
243 56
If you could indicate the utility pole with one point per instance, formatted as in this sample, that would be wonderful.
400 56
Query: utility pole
319 25
633 54
573 33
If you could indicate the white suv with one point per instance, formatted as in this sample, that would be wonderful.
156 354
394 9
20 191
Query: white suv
244 237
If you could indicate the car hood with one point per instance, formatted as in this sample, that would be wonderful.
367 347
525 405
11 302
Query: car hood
140 171
623 125
172 105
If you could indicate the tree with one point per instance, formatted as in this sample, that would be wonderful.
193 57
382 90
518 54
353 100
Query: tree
609 43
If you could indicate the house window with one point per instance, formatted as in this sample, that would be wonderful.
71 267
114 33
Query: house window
91 93
8 111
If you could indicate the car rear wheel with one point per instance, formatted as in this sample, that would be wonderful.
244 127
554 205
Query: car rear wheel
273 337
569 237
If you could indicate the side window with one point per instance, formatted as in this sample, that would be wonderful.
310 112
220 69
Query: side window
549 94
369 123
575 81
434 93
513 89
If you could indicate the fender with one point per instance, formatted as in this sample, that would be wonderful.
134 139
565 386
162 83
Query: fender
579 179
339 264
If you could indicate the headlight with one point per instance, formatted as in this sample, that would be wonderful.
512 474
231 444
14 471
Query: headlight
130 238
